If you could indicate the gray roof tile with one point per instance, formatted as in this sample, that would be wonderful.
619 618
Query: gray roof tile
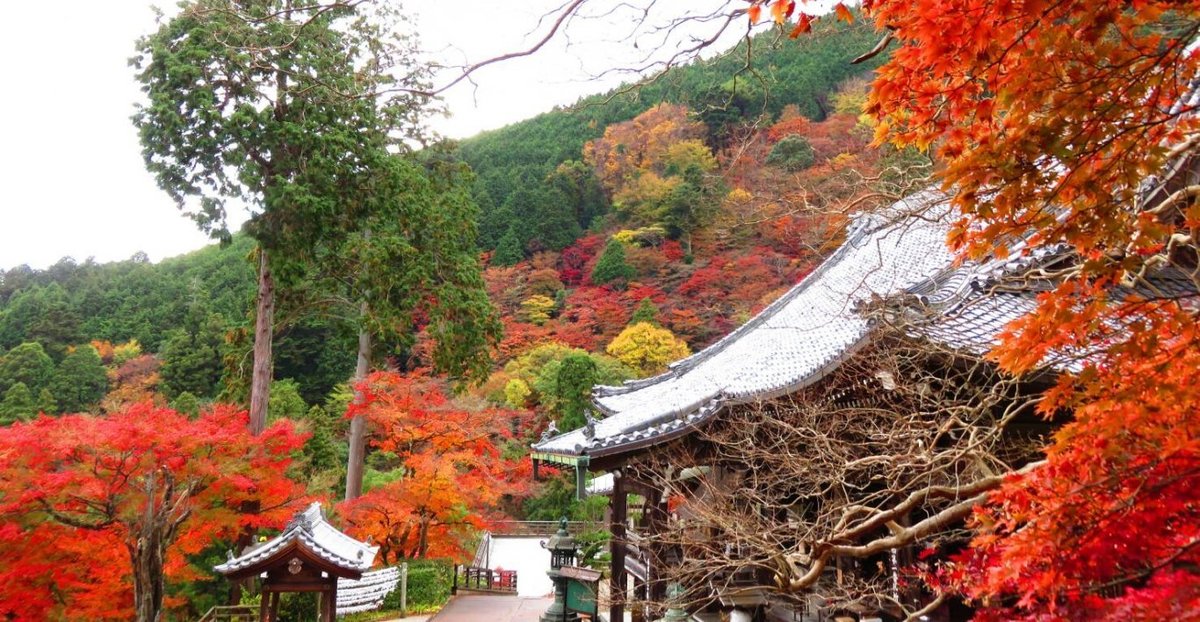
311 529
814 326
791 343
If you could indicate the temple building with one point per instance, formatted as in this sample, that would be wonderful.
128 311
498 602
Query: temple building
309 555
794 469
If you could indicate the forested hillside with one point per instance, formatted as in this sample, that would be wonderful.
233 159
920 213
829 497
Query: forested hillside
515 163
186 310
616 237
545 184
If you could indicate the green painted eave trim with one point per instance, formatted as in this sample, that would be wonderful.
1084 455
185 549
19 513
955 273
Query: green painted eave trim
559 458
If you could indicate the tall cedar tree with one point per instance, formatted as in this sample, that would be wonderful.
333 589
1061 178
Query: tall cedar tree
280 107
1007 94
508 250
80 381
18 404
27 363
410 266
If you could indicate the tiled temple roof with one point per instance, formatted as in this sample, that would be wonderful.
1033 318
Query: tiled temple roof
898 255
792 343
310 530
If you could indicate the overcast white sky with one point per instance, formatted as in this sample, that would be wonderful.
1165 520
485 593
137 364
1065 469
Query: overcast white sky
72 181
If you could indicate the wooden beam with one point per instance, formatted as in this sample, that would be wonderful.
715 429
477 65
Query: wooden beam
581 481
617 581
329 605
656 520
638 611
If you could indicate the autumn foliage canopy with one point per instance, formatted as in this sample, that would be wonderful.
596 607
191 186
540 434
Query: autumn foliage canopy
1072 122
78 494
453 473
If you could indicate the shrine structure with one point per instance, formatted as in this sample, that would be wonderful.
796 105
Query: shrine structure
310 555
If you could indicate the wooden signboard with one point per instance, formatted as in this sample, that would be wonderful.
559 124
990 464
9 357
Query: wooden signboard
581 590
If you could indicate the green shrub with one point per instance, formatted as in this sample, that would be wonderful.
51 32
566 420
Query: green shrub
429 582
793 153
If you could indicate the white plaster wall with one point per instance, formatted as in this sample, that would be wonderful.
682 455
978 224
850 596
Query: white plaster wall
529 559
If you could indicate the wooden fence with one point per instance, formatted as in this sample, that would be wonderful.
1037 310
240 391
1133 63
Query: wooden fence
537 528
484 580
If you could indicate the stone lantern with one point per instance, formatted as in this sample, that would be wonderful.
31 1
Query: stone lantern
676 612
562 554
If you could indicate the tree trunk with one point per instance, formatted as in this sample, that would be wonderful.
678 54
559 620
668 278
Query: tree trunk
358 425
423 538
148 578
148 558
264 320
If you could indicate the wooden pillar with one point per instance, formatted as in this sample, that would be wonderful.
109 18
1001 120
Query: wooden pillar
639 610
263 604
656 589
617 584
329 604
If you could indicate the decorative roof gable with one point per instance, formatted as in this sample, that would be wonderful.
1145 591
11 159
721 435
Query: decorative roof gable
792 343
309 533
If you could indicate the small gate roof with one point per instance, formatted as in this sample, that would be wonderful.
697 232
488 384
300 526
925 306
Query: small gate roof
310 532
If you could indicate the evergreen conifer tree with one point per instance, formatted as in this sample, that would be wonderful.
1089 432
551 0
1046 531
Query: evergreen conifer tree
80 381
192 359
17 405
27 363
47 403
645 312
793 153
286 402
611 267
508 250
186 403
321 450
576 377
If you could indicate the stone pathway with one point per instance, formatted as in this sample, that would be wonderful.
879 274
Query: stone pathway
492 608
411 618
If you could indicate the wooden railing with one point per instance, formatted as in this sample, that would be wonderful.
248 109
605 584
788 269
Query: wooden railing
231 613
485 580
538 528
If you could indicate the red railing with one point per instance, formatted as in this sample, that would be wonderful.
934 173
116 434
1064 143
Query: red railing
485 580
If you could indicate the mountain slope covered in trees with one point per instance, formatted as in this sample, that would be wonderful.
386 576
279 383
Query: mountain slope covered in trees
616 237
726 93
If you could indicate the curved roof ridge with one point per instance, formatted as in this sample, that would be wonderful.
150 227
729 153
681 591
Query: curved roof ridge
309 528
863 225
794 341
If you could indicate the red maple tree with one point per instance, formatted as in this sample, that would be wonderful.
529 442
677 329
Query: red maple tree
1073 122
97 512
453 473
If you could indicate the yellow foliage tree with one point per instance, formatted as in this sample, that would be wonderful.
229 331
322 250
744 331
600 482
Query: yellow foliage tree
126 351
642 199
687 153
536 309
516 393
639 144
647 348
